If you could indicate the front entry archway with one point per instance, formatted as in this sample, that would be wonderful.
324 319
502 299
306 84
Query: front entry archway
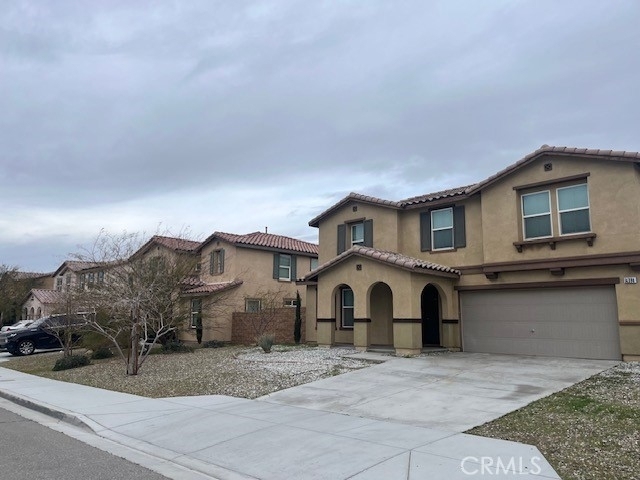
381 308
430 306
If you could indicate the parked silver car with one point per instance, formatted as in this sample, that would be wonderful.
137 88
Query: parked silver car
16 326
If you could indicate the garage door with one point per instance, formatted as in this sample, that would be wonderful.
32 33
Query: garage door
568 322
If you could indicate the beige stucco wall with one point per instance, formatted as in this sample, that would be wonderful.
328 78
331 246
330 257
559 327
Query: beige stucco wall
471 254
255 268
385 228
614 194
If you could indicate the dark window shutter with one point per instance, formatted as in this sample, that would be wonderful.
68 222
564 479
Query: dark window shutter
211 264
294 268
221 260
425 231
368 233
342 238
459 231
276 266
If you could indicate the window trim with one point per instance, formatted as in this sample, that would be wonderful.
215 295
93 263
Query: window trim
433 230
288 267
216 261
343 307
289 302
353 226
246 305
524 217
560 212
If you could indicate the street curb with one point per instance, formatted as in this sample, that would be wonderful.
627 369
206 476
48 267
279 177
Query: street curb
51 412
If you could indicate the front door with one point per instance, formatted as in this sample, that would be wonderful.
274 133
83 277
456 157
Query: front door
430 316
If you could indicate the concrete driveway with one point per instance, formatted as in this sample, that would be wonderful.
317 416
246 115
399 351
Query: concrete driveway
452 392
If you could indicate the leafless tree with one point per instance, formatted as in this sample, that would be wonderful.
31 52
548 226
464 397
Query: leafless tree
139 302
70 320
263 320
13 290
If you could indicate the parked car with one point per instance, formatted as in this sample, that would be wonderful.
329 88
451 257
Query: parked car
39 335
16 326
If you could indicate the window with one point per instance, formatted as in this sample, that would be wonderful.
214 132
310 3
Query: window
442 229
536 215
92 277
573 209
284 268
289 302
216 262
357 234
68 282
252 305
346 295
59 284
313 264
83 280
196 311
100 276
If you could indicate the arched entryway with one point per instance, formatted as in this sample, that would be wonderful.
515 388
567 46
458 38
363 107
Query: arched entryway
430 305
381 312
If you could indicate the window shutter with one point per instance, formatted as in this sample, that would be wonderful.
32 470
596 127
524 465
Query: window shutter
459 232
425 231
211 263
276 266
221 260
368 233
294 269
342 238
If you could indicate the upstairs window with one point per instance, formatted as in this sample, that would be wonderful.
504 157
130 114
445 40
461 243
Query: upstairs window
284 267
442 229
536 215
573 209
357 234
216 262
59 284
101 277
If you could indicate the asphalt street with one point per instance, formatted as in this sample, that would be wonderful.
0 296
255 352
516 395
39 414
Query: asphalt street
29 451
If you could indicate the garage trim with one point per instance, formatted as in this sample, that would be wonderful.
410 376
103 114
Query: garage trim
590 282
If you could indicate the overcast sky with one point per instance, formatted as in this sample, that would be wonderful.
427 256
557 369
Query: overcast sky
232 115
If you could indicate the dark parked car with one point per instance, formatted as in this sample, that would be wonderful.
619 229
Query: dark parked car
38 335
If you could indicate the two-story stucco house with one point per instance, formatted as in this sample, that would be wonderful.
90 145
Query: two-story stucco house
541 258
238 273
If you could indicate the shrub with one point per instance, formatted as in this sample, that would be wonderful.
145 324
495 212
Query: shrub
101 352
72 361
213 344
266 341
176 347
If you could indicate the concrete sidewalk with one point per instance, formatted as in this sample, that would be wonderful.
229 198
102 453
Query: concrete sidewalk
233 438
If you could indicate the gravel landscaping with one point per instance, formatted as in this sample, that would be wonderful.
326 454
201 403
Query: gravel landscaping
588 431
236 371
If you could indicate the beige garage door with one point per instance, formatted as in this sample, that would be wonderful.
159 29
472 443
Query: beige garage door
568 322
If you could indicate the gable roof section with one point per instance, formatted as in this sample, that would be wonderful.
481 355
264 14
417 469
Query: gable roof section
77 265
466 191
207 288
46 296
178 245
389 258
358 197
265 241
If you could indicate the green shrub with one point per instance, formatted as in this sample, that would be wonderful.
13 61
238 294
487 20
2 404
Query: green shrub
72 361
176 347
101 352
213 344
266 341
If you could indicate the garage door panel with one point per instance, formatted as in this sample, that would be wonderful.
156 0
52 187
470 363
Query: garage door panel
569 322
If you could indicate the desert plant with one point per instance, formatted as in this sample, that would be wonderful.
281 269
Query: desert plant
176 347
266 341
71 361
213 344
297 334
102 352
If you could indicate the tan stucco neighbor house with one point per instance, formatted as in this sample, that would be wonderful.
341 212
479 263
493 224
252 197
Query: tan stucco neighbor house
541 258
239 273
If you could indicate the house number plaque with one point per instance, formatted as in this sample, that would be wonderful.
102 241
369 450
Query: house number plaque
630 280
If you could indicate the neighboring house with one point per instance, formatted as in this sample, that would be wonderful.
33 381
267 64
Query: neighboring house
41 303
242 273
74 273
541 258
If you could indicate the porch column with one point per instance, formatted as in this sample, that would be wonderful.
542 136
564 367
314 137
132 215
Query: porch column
407 336
326 332
362 334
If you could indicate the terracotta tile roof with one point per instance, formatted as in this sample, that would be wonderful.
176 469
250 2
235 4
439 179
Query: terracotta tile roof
77 265
615 155
212 287
28 275
266 241
618 155
452 192
357 197
390 258
46 296
174 243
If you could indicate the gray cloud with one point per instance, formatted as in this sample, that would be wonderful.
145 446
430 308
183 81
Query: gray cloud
111 102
